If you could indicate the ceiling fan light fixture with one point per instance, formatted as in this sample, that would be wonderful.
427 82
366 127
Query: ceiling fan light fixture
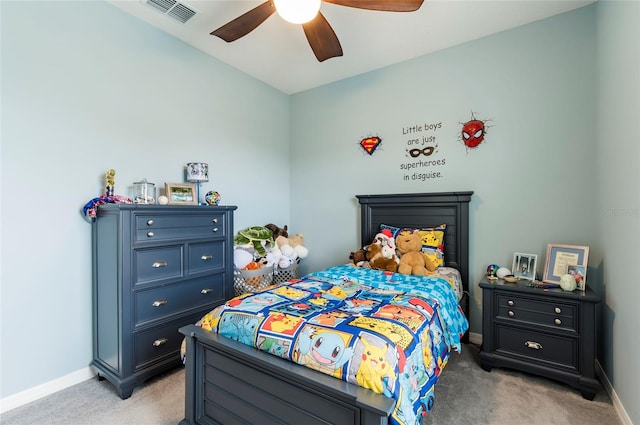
297 11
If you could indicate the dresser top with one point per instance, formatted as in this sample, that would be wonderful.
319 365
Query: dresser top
524 287
171 208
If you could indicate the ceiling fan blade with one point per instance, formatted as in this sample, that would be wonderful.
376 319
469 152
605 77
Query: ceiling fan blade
383 5
245 23
322 38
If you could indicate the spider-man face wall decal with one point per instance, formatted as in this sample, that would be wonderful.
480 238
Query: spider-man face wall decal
473 132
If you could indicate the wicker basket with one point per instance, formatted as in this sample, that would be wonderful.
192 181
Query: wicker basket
284 275
251 280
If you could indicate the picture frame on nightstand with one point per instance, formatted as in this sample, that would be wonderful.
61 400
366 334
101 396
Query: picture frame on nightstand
563 259
524 265
580 275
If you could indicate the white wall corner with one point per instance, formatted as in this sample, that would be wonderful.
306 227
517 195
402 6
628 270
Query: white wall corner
43 390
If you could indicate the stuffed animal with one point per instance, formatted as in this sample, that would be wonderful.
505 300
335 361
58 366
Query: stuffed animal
358 257
385 237
412 259
292 247
382 257
278 231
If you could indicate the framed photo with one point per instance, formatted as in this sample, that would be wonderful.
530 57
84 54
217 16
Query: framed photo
580 275
524 265
561 257
181 194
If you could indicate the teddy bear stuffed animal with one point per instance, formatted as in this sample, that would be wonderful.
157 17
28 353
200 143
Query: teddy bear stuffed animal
412 259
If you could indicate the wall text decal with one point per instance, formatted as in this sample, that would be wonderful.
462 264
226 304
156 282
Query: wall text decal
421 151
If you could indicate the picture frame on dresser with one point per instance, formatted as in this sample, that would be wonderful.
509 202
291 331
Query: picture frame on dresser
524 265
181 193
560 257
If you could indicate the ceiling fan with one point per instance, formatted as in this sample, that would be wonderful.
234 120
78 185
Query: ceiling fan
321 37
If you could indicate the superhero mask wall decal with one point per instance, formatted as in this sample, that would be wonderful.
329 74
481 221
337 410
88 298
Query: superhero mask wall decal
473 132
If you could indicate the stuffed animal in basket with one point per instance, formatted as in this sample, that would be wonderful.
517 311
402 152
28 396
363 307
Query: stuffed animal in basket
292 247
278 231
412 259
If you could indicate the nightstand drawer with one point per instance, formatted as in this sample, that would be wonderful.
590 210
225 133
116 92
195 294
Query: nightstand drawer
161 302
542 312
167 227
155 264
206 256
561 351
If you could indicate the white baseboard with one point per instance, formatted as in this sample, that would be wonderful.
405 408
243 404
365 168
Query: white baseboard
617 404
475 338
43 390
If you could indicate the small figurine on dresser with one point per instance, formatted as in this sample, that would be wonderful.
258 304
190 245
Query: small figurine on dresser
90 208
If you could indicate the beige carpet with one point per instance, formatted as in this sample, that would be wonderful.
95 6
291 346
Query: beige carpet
465 395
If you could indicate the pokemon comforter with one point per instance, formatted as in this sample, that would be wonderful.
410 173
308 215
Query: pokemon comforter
390 333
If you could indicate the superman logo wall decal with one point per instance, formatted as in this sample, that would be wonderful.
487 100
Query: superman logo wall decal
370 144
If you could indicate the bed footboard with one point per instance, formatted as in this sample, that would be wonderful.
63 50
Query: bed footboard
230 383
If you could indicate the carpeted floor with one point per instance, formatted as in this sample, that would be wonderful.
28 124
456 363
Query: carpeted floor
465 395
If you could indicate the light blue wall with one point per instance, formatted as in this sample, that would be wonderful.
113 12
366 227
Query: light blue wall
618 188
559 164
86 88
533 176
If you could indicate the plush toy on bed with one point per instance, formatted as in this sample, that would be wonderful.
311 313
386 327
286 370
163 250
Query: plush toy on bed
412 259
385 237
382 257
359 257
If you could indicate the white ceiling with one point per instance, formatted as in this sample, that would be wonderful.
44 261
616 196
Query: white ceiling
277 52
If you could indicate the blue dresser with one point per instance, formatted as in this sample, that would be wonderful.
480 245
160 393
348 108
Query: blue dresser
156 268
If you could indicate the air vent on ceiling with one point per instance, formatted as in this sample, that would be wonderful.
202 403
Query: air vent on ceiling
176 10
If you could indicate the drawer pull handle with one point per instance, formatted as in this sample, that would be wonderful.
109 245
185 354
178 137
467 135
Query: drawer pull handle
215 230
206 290
149 222
215 220
159 303
160 341
533 345
510 303
558 310
511 313
150 234
206 257
558 321
159 264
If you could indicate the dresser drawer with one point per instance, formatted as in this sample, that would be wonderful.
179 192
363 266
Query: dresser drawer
206 256
153 264
558 350
156 343
541 312
167 227
160 302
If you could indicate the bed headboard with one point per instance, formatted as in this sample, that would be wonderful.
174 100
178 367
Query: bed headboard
423 210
